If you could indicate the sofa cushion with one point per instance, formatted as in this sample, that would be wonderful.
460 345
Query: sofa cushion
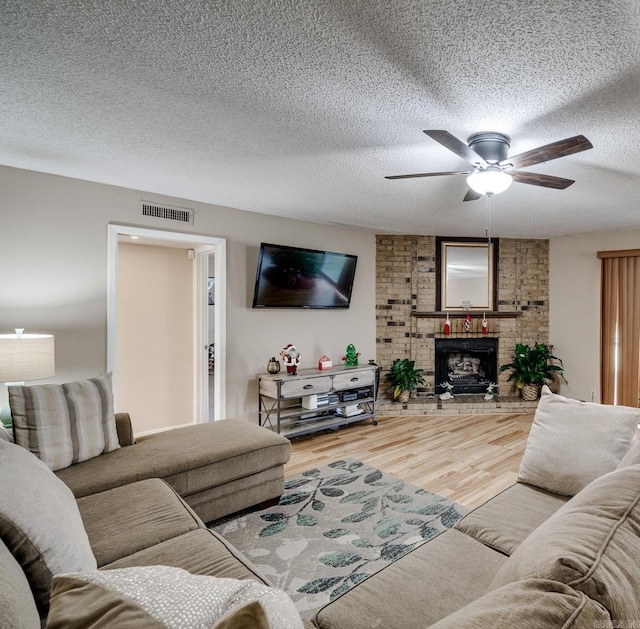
190 459
507 519
19 610
423 586
530 604
64 424
591 544
632 457
572 443
5 435
39 521
158 597
124 520
199 552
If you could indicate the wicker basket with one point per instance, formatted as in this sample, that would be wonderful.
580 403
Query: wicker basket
530 392
404 396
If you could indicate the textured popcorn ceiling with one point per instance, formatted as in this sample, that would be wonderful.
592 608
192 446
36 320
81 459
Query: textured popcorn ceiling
300 107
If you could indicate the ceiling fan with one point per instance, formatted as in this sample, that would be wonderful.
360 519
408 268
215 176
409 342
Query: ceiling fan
493 172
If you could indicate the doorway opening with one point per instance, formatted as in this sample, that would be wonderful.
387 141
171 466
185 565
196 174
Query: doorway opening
207 326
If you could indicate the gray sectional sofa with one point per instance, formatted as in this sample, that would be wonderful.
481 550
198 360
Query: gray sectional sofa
559 549
145 504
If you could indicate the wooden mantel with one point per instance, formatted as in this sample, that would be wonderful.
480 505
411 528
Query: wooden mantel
494 314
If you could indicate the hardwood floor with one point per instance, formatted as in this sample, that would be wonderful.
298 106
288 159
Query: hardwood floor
467 458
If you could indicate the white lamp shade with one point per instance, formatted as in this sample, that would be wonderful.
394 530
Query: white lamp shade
26 357
491 180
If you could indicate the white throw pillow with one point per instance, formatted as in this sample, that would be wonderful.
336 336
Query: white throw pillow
40 522
63 424
147 597
572 443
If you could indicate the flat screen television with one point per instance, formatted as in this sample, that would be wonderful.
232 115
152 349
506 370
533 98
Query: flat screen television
291 277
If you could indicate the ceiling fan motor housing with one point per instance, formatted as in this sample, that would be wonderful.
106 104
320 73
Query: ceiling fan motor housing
490 145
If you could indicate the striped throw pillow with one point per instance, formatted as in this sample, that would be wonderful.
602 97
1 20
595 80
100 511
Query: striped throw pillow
63 424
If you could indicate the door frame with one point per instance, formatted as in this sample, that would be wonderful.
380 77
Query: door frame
202 247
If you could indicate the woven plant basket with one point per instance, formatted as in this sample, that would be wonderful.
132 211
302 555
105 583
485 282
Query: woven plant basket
404 396
530 392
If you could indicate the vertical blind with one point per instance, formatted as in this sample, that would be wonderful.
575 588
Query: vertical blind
620 327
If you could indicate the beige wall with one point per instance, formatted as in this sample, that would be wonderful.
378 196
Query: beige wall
54 279
574 314
155 335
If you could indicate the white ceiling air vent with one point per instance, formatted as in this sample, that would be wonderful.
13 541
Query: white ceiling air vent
168 212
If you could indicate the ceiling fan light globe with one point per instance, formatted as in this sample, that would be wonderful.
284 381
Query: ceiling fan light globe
489 181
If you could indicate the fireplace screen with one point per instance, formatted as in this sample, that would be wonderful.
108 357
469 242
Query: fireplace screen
468 364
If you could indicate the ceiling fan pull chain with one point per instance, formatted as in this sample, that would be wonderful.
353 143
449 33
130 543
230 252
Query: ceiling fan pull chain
487 229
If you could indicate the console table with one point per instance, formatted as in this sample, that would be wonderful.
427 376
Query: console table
315 400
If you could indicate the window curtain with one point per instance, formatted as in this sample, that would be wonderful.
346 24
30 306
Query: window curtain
620 327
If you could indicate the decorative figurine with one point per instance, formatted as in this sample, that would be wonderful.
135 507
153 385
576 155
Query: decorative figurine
447 326
350 359
291 357
448 393
491 391
273 366
485 325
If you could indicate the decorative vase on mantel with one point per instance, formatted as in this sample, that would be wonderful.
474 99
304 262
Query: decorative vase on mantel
273 366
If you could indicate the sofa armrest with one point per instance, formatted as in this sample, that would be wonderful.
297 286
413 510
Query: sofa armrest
124 429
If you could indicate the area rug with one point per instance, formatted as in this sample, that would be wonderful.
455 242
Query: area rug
334 527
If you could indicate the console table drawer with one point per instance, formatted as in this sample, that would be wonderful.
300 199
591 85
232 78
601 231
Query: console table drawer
352 380
299 387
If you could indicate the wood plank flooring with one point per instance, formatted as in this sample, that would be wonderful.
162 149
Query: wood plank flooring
467 458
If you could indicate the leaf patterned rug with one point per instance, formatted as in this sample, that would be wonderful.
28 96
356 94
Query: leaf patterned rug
334 527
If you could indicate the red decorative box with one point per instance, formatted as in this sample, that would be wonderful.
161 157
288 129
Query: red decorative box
324 362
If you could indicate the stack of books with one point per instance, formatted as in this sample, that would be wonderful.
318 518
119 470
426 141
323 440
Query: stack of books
349 411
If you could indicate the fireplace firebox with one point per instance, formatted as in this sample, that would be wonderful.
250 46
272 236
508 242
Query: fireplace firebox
469 364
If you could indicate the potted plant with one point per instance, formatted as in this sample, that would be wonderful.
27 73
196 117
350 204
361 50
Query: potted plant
531 367
404 378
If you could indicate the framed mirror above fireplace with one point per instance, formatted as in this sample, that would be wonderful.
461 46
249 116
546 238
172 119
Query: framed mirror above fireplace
466 274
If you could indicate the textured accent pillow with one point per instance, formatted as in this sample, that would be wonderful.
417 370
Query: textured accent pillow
572 443
591 544
40 522
63 424
150 597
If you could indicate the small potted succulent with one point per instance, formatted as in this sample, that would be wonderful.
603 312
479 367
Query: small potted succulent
403 378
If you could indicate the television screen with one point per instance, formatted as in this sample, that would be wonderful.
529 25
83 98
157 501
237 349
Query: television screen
290 277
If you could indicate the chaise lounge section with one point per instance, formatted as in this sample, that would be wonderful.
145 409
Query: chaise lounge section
217 468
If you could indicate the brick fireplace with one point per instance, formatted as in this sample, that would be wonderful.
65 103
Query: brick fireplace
408 325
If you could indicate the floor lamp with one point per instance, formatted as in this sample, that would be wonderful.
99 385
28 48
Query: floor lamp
24 357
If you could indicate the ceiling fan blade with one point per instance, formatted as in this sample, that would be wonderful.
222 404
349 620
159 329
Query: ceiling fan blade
546 153
455 172
457 146
471 195
536 179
